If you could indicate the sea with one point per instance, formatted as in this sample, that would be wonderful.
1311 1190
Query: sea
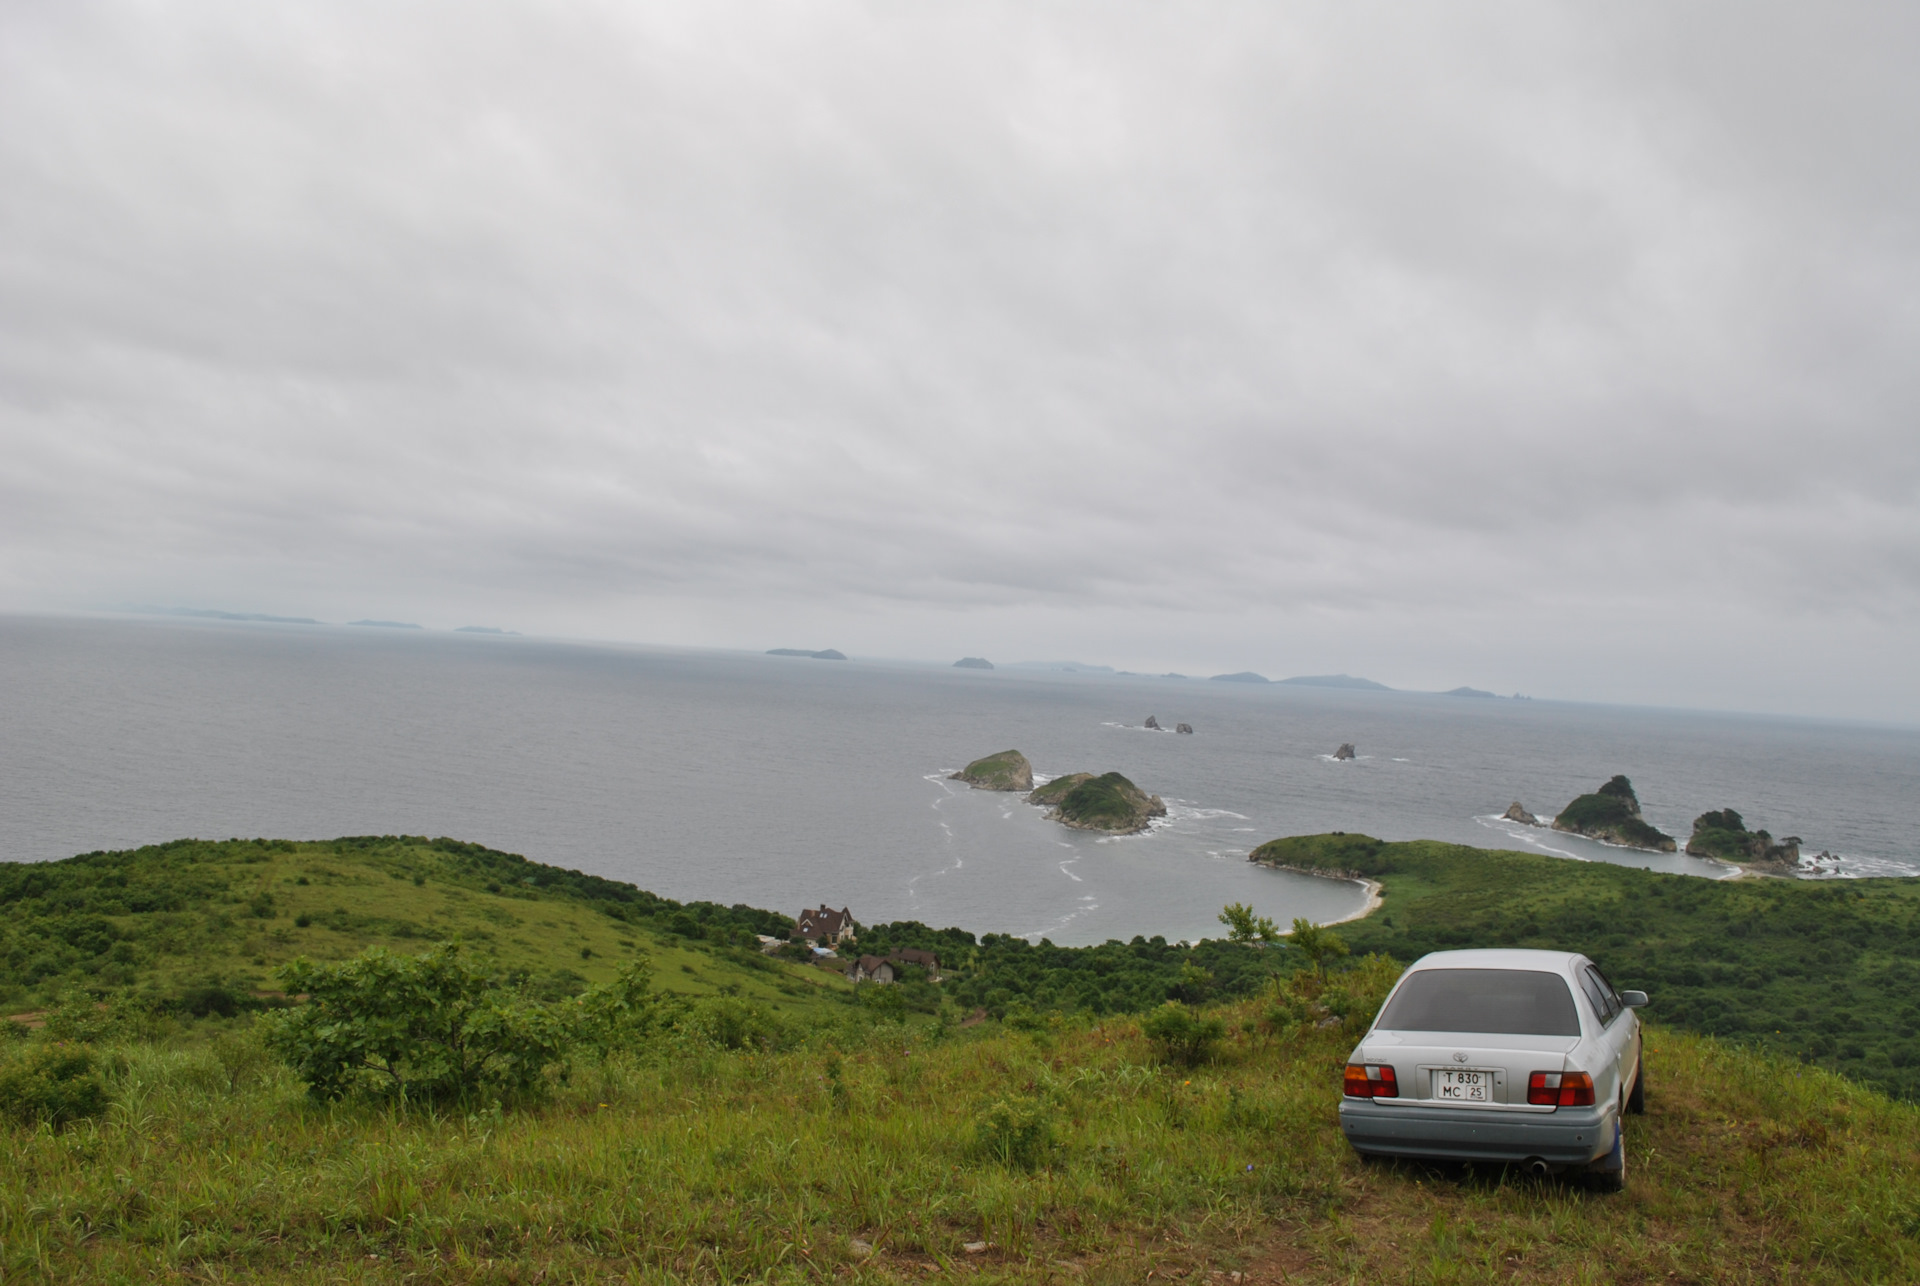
786 782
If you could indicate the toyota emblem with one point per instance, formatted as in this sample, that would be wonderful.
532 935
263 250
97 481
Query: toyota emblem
1459 1058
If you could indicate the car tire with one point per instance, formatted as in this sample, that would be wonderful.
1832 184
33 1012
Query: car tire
1637 1099
1613 1178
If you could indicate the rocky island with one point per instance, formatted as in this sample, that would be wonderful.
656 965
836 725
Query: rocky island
824 654
1107 803
1612 813
1008 770
973 663
1516 812
1346 751
1724 835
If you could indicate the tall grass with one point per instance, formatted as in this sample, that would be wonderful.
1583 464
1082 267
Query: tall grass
870 1159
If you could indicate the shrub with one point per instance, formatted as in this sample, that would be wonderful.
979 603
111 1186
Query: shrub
733 1024
430 1028
1016 1132
1182 1037
54 1083
620 1014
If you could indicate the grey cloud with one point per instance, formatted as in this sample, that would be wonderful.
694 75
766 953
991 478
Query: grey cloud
1325 320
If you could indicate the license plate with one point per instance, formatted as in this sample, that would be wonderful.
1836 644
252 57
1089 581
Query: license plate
1463 1084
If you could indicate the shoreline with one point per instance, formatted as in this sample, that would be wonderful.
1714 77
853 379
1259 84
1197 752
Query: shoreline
1372 887
1373 903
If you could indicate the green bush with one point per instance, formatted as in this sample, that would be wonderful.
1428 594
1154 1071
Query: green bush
1016 1132
731 1023
55 1083
430 1028
1181 1036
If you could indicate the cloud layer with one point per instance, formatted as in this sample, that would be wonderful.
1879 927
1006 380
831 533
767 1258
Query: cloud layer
1528 345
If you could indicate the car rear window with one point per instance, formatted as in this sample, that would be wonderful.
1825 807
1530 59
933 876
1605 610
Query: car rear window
1513 1002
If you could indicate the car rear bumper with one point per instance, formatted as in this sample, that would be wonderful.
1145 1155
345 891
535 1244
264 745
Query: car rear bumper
1565 1136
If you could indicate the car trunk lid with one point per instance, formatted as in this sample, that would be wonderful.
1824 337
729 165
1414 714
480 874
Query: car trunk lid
1430 1065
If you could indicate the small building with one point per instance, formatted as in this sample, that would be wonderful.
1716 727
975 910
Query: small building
885 968
870 969
824 926
914 956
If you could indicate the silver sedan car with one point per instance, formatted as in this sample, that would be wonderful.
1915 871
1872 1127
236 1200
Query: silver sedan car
1529 1057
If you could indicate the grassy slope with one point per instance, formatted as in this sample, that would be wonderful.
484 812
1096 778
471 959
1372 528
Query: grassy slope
1824 971
682 1162
691 1164
182 914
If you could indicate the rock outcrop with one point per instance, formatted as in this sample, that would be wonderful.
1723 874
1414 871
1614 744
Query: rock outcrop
1346 751
1185 727
973 663
1724 835
1515 813
1108 803
1008 770
1612 813
1153 723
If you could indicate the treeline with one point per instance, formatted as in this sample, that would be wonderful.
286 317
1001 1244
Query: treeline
998 972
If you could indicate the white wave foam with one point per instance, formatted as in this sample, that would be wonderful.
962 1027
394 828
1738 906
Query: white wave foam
1528 835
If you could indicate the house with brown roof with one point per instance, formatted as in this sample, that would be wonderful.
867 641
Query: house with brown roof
824 926
914 956
870 969
885 968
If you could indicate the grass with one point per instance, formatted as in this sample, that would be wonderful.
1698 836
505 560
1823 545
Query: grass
161 924
878 1145
864 1162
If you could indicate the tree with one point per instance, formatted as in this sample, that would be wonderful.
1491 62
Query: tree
1319 943
432 1028
1181 1036
1244 926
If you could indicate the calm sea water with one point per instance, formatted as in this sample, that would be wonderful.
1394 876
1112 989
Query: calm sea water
784 782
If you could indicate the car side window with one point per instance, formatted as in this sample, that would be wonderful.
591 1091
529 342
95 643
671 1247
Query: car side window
1613 992
1605 1004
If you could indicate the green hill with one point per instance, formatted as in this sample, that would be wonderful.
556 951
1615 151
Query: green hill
1825 971
1063 1152
872 1143
194 924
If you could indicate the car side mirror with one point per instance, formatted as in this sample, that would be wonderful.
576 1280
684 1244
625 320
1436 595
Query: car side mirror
1633 999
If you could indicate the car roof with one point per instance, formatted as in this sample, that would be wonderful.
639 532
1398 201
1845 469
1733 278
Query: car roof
1501 958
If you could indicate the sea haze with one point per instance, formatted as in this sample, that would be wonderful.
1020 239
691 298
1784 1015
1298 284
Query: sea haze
783 781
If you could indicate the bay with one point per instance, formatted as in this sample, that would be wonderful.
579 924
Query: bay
788 781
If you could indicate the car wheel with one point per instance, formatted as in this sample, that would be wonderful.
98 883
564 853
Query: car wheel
1609 1173
1637 1100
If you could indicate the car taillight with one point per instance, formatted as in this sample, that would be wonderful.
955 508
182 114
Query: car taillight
1371 1080
1560 1089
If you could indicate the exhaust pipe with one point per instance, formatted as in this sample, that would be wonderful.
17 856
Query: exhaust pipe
1537 1166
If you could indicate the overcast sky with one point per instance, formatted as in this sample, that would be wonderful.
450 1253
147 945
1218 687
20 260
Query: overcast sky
1562 348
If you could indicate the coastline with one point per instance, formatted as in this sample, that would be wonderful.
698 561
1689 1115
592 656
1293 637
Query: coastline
1373 902
1372 887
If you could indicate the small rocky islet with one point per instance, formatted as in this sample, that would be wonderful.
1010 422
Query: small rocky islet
1612 814
1108 803
1005 770
1723 835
